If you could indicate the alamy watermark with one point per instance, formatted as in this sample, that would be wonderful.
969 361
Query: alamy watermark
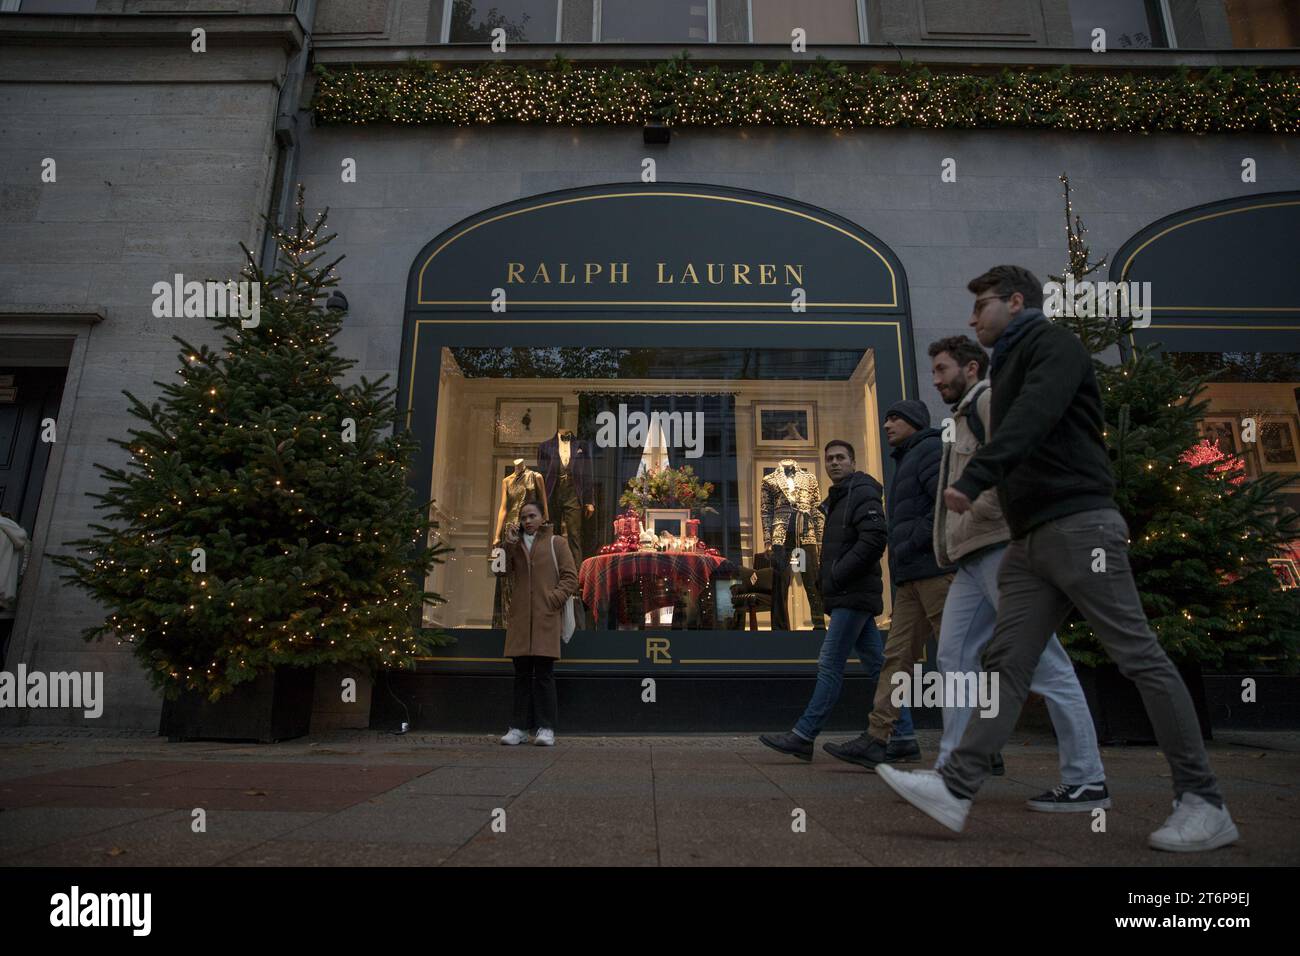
626 429
977 689
75 689
1109 300
208 300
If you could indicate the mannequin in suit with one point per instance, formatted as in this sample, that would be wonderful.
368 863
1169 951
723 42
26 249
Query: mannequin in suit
566 466
790 518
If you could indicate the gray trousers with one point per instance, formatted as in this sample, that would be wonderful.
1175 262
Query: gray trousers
1057 565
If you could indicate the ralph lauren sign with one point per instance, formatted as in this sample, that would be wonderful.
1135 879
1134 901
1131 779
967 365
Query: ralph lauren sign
654 246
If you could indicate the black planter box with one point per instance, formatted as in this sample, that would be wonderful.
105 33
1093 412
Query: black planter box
1116 704
275 706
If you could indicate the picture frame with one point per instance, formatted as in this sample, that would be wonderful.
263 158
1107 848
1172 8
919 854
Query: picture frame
1287 571
765 466
785 425
672 520
1223 430
1278 443
525 422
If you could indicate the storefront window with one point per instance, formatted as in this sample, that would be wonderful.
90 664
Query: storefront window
1267 24
1129 24
524 21
635 21
715 455
1259 389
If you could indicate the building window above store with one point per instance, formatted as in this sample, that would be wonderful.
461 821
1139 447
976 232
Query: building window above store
1128 24
668 21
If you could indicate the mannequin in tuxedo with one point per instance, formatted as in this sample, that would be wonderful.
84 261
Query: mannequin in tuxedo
566 466
791 519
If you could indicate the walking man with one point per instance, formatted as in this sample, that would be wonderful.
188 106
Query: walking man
976 541
852 545
921 585
1047 457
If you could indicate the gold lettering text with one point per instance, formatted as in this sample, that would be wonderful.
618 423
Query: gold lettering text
794 272
514 272
541 275
766 274
740 273
615 270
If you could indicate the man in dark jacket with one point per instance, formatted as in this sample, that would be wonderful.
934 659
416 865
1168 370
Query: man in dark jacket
921 586
1048 459
852 545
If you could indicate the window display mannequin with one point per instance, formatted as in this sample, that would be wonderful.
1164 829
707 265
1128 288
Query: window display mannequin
517 489
790 517
522 486
566 465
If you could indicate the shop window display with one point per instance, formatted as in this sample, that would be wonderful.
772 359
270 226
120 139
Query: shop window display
685 481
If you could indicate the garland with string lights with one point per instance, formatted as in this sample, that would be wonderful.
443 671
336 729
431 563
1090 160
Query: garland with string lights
822 93
1200 536
311 543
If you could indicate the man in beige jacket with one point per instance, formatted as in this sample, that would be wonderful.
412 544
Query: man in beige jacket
975 541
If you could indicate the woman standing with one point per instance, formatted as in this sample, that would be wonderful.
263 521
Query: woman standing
542 576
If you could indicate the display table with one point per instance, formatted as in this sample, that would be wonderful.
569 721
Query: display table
655 579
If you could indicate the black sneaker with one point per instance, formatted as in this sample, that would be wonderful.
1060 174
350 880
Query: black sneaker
998 767
903 751
863 751
1068 798
789 744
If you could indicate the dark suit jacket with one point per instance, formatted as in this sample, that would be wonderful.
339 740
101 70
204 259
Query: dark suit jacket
580 467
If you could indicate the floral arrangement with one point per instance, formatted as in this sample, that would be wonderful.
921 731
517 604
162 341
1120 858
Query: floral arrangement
667 488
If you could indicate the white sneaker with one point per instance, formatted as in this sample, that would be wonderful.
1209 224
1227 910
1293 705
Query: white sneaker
928 793
545 737
515 737
1196 824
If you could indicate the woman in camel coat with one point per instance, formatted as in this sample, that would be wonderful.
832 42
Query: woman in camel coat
543 577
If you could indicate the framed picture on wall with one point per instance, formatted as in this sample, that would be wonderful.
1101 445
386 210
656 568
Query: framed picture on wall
1222 429
526 422
785 424
1279 443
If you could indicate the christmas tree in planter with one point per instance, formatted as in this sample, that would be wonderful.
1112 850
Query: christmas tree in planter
263 520
1200 537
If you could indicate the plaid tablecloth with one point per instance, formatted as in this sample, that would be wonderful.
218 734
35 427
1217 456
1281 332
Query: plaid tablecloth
654 572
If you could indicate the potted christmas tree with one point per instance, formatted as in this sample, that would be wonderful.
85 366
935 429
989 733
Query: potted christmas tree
263 524
1201 536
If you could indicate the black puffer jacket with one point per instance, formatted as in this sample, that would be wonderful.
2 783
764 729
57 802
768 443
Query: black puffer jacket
853 544
911 508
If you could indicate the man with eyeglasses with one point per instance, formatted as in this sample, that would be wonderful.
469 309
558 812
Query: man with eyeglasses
1048 460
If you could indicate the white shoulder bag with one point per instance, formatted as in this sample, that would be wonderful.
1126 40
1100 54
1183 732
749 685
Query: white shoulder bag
570 613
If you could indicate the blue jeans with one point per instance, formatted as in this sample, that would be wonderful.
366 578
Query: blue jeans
849 630
969 614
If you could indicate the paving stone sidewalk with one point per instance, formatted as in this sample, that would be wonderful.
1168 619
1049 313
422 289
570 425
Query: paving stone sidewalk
359 798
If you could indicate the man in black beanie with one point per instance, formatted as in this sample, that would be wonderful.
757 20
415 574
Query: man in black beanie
921 585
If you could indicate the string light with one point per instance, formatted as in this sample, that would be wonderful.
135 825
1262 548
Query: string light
825 94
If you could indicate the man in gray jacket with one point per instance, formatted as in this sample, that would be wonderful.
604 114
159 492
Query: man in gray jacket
975 541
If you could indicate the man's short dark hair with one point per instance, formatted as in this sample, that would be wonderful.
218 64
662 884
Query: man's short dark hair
1008 280
853 456
963 351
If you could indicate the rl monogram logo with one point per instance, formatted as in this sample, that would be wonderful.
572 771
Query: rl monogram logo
657 650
